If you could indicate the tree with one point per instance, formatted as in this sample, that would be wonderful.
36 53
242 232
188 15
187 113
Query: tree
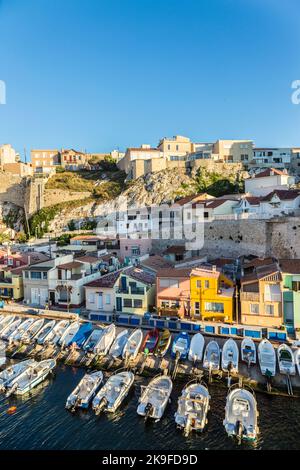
21 237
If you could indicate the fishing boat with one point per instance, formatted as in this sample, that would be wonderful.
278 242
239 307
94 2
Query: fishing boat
93 339
44 331
118 345
11 372
155 397
193 406
286 360
21 330
6 321
248 351
266 358
181 345
111 395
196 348
33 329
133 344
2 353
82 335
32 376
69 334
211 358
241 414
230 356
163 344
10 329
106 340
150 341
85 391
297 359
56 333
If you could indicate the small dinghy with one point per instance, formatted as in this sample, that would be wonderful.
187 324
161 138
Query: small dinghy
44 331
21 330
30 378
241 414
211 359
150 341
163 344
6 320
119 343
248 351
2 353
181 345
11 372
132 347
93 340
106 340
111 395
82 335
85 391
69 334
196 348
193 406
56 333
286 360
230 356
155 397
34 328
297 359
267 358
10 329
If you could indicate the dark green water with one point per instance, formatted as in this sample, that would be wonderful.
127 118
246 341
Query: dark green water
41 422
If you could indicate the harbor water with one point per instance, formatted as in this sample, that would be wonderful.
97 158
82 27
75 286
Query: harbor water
42 422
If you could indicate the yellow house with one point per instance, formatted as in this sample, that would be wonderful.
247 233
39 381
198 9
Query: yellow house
212 294
11 284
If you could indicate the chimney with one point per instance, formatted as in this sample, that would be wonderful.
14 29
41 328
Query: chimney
214 268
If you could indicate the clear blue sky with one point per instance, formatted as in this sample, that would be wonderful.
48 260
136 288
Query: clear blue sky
97 75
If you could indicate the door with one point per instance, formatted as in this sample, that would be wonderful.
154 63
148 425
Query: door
100 301
119 304
35 295
43 296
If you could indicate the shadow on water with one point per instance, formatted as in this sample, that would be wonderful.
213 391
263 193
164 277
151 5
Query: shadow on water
42 422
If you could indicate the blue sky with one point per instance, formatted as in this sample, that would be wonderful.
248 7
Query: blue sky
98 75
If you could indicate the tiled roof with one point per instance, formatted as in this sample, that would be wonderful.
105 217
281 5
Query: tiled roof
175 249
108 280
71 265
140 275
269 172
156 262
193 198
215 203
291 266
253 200
88 259
282 194
259 262
174 272
206 271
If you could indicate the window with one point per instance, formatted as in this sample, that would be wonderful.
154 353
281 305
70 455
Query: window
137 303
177 148
164 303
36 275
296 285
254 308
198 284
197 308
26 273
10 262
214 307
107 299
168 283
44 275
269 309
206 284
92 298
127 302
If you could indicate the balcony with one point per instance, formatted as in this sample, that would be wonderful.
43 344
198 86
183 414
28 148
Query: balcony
132 290
272 298
250 296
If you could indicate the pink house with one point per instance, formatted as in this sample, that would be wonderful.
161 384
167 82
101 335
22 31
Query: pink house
133 248
173 292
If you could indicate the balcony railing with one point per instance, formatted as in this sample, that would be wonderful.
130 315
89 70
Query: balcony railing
131 290
250 296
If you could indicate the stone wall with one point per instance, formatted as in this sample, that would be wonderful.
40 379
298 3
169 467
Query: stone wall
55 196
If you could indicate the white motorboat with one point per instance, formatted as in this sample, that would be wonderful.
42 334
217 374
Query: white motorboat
111 395
21 330
10 329
33 329
69 334
2 353
6 320
297 359
230 356
106 340
193 406
133 344
286 360
211 359
85 391
266 358
119 343
248 351
11 372
44 331
196 348
241 414
155 397
56 333
30 378
93 339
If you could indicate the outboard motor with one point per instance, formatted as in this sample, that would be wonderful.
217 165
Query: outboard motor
229 368
102 405
148 410
239 431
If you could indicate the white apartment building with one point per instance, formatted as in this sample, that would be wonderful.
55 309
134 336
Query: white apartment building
275 157
267 181
8 154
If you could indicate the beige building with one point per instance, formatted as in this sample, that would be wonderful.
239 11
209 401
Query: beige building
177 146
8 154
139 154
44 161
234 150
18 168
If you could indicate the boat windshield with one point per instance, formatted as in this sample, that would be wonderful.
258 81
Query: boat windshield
285 355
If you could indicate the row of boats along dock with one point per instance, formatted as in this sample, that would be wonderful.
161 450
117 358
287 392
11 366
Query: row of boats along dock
115 355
